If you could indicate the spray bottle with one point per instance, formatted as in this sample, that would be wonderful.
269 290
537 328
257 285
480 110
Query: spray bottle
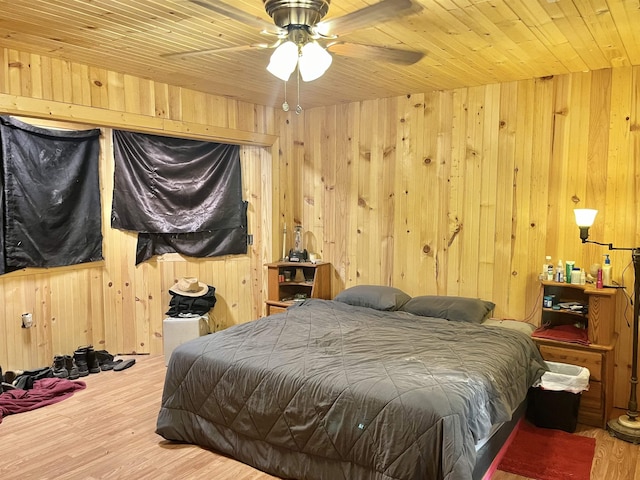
606 271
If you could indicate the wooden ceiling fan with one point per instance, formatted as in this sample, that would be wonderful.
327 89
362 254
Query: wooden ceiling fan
298 26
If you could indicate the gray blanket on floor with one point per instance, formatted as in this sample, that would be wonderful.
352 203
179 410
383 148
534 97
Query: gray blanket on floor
330 391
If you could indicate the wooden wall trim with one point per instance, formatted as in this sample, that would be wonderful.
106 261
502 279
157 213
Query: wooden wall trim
52 110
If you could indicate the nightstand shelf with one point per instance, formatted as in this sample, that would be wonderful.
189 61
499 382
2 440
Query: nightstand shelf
596 404
564 312
289 282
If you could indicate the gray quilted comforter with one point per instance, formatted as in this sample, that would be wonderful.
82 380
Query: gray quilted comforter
330 391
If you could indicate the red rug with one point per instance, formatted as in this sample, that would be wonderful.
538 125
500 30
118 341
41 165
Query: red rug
547 454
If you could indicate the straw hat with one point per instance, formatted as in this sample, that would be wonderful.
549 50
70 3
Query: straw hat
190 287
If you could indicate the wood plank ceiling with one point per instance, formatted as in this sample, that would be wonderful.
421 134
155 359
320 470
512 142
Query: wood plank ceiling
465 42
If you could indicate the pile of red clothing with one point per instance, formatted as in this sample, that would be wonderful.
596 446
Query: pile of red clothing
563 333
44 392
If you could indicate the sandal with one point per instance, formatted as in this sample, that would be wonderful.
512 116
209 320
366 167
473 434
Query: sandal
125 364
109 365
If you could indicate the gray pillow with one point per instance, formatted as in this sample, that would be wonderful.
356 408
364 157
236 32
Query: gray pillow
374 296
460 309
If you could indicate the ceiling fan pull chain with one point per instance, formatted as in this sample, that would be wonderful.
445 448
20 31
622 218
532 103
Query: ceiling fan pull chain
298 107
285 105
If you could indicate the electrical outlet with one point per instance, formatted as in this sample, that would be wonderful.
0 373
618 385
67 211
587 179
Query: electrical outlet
27 320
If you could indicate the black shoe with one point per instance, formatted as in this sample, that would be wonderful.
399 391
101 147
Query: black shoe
92 360
105 359
5 387
26 379
80 357
71 367
59 367
10 376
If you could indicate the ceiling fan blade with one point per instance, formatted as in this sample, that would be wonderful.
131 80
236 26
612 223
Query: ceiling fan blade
367 17
209 51
372 52
239 15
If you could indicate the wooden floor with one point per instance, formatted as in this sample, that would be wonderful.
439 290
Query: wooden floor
107 431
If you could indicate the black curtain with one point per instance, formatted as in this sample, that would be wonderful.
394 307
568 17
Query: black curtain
180 195
50 213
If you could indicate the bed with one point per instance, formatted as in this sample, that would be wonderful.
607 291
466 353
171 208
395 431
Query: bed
336 390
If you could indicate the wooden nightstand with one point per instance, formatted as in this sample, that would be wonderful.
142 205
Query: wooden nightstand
290 281
595 404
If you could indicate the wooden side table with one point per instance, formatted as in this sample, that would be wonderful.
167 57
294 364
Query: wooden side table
289 282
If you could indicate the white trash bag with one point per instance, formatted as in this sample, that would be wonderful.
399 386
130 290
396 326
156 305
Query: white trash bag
564 377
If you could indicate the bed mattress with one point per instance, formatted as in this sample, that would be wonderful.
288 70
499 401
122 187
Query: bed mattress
327 390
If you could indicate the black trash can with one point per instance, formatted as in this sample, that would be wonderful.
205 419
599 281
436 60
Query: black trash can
555 400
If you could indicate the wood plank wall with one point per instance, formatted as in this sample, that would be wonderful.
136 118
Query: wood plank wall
459 192
113 304
464 192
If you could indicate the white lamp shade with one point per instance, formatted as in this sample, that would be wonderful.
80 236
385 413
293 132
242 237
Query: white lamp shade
314 61
585 216
284 60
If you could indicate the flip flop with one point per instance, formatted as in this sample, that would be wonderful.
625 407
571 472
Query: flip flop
110 365
124 364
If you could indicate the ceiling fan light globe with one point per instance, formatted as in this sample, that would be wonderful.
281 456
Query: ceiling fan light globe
283 61
314 61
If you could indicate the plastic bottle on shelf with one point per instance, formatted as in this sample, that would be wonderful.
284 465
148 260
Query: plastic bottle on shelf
599 279
606 271
559 272
549 270
576 276
568 276
583 277
545 268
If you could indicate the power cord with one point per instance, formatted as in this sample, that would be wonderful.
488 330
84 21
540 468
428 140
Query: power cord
533 311
626 294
